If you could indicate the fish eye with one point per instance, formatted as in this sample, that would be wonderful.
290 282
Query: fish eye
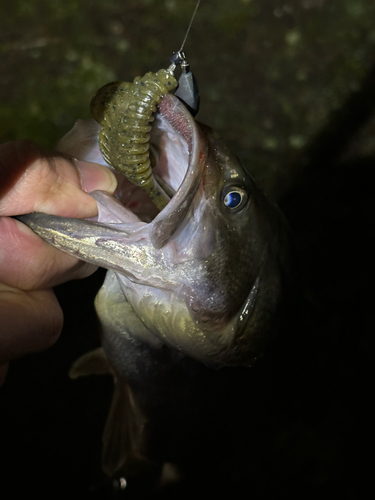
235 198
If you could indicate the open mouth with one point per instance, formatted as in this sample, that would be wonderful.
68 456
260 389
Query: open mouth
173 151
178 152
171 142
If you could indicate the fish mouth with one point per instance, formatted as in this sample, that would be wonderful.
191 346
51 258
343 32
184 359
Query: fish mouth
172 150
179 149
172 143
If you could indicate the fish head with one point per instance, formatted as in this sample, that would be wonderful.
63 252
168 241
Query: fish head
231 247
204 275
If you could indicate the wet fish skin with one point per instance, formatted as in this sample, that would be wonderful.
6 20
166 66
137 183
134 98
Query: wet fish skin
229 258
199 281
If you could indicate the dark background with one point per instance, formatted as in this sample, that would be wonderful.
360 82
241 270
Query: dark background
291 86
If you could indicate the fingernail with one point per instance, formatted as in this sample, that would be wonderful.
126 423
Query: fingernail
94 176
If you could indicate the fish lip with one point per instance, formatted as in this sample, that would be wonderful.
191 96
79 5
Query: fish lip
123 224
232 353
173 113
167 221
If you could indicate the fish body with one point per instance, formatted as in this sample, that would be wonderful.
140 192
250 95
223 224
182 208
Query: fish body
204 279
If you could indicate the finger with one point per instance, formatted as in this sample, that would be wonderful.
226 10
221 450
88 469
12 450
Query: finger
31 322
29 263
52 185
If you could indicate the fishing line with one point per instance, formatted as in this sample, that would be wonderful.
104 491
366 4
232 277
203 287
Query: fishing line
189 27
126 110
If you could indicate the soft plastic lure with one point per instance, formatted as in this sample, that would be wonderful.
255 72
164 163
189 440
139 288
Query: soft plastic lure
125 112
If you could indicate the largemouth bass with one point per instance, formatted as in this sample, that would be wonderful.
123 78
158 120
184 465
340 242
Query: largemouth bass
204 279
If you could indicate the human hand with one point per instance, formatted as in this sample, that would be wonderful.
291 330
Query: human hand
30 316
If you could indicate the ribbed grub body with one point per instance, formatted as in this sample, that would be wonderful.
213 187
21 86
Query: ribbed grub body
125 113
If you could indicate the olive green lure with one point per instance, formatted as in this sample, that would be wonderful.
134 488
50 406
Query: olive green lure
125 112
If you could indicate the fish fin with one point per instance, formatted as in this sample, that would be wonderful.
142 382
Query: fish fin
123 432
170 474
92 363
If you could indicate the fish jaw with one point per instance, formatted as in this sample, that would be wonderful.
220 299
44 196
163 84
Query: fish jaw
233 265
174 117
124 242
203 279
